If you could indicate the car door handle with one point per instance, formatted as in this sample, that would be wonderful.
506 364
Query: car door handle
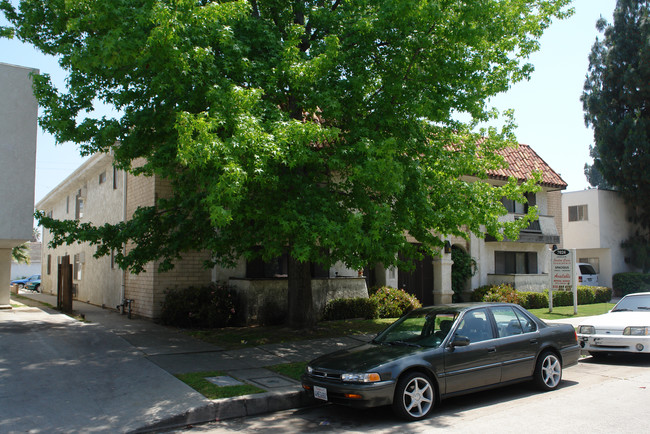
492 350
533 341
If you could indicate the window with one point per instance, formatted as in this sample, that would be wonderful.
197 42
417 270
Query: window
102 177
76 267
112 259
67 204
578 213
79 207
514 207
114 178
475 326
276 267
49 264
515 262
507 322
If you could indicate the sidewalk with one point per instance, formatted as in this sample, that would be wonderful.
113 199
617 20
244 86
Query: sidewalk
117 372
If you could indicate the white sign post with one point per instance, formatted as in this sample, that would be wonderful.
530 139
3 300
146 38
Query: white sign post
563 276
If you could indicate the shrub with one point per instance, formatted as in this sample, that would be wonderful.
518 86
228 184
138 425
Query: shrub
629 283
503 293
533 300
586 295
537 300
479 293
562 298
210 306
345 308
464 268
602 294
393 303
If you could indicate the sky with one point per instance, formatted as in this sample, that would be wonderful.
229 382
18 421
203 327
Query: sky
548 110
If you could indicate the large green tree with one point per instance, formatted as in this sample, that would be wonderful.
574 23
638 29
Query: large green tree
616 101
323 128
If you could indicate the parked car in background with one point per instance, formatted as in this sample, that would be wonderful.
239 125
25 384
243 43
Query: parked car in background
440 351
23 282
34 285
587 275
625 329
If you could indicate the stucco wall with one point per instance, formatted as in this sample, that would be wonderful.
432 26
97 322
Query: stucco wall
100 282
601 235
18 128
266 299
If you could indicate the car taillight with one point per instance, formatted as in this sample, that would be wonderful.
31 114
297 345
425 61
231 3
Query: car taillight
579 278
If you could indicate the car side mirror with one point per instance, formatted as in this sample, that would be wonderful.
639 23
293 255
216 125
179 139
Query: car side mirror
459 341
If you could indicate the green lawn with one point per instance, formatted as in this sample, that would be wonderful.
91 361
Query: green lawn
291 370
242 337
563 312
198 382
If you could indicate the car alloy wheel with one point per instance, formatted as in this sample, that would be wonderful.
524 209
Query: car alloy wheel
548 372
414 396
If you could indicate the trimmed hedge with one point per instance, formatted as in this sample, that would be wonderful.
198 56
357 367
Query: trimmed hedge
536 300
630 283
345 308
212 306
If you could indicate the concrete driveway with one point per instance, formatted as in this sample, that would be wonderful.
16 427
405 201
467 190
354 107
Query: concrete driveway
61 375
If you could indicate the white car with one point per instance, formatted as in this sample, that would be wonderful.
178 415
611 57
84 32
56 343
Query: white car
626 328
587 275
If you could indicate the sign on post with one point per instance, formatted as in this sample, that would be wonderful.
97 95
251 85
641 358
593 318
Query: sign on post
563 276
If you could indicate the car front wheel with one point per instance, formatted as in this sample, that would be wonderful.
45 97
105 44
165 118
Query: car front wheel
548 371
414 396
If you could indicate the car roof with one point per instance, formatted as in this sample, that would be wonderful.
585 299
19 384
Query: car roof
462 306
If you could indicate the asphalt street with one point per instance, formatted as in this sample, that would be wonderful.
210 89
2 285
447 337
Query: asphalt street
608 396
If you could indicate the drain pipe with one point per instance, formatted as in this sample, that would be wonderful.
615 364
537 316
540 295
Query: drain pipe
123 280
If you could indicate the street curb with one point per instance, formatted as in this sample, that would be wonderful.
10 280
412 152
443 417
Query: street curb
230 408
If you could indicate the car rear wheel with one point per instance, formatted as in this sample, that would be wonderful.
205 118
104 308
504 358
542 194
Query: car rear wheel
548 371
414 396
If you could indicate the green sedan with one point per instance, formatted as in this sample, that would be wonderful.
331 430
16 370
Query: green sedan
442 351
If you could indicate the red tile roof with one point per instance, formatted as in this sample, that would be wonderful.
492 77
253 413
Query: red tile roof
523 161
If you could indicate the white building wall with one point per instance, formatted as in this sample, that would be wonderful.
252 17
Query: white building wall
100 282
18 112
18 129
601 235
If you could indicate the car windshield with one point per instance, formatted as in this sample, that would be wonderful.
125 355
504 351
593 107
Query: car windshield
419 329
635 302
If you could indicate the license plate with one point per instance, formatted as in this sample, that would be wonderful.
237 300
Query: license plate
320 393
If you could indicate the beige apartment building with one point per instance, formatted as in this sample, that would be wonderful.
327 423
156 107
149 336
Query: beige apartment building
98 193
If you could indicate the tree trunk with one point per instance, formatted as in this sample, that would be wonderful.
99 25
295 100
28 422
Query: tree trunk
301 313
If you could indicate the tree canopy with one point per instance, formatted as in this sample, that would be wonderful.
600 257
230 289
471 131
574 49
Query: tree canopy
308 126
616 101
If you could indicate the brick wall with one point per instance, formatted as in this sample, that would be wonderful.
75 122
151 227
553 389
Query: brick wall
147 290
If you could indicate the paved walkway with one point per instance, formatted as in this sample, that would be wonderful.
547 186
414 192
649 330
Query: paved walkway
114 374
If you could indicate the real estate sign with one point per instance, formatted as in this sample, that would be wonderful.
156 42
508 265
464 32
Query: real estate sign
562 264
563 273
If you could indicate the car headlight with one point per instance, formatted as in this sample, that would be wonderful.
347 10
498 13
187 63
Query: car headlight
369 377
586 330
636 331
